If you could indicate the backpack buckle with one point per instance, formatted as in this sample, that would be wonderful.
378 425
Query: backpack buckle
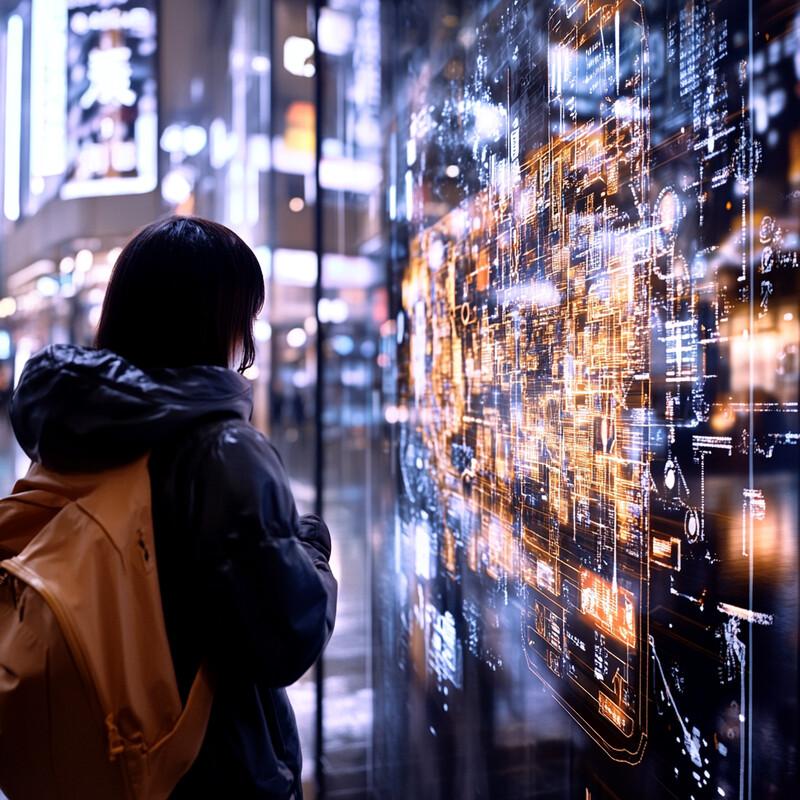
6 578
116 744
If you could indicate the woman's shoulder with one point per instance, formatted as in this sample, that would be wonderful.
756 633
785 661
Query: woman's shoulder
223 449
225 467
228 432
231 442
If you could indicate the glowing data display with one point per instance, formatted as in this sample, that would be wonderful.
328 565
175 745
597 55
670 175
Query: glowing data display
589 588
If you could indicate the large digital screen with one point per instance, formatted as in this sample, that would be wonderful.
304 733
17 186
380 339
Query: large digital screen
587 586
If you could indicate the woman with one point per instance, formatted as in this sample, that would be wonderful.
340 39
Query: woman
243 578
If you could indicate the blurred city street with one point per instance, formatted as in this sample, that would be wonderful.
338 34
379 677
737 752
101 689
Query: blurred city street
13 462
117 114
347 693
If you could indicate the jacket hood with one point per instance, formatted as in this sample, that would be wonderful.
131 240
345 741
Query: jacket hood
82 410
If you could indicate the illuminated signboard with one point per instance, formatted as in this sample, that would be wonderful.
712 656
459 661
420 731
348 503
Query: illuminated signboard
111 98
588 588
48 107
13 115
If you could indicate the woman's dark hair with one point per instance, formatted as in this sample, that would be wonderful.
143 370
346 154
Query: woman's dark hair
184 291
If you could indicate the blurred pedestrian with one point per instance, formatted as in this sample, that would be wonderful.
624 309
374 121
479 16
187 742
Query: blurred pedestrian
298 408
244 579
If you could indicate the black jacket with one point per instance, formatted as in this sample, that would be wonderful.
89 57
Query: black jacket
243 577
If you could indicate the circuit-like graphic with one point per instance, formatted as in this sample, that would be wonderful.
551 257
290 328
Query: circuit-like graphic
599 369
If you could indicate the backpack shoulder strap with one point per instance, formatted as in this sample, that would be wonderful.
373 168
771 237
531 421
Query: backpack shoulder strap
41 494
22 515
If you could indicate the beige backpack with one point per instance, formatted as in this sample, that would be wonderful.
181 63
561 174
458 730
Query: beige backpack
89 704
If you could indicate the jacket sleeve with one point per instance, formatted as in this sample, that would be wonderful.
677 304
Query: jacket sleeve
266 584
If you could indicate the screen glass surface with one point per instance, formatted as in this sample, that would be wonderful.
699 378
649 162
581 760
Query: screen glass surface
586 577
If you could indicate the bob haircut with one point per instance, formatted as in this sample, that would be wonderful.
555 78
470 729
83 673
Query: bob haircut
184 291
